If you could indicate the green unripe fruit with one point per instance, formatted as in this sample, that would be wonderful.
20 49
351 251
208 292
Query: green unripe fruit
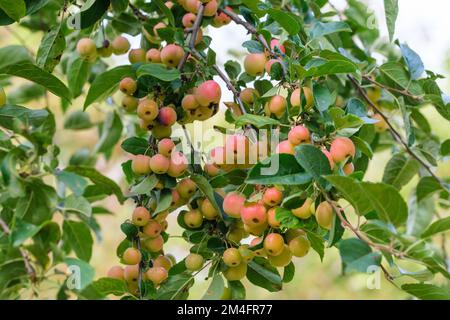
324 215
299 246
193 219
246 254
194 262
283 259
130 103
232 257
236 273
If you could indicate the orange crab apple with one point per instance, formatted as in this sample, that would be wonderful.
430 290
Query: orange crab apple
255 63
298 134
254 214
233 204
341 149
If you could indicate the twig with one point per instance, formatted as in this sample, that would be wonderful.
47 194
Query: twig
26 259
138 12
402 92
395 134
138 245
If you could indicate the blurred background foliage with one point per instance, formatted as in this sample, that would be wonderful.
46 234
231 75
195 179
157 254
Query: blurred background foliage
425 31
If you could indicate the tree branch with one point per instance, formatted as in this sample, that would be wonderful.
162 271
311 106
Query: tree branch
402 92
26 259
395 134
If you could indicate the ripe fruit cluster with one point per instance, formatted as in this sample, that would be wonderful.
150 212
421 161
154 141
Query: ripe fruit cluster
88 49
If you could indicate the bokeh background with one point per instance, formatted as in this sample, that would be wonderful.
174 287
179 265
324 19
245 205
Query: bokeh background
424 26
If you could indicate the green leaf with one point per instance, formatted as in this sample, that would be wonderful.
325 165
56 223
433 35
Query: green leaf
329 62
289 273
176 287
135 145
322 97
158 71
262 274
413 61
215 290
317 243
77 75
445 148
98 179
164 201
357 256
391 12
79 237
15 9
278 169
83 273
51 49
8 113
286 20
420 215
73 181
321 29
440 225
78 120
22 231
33 73
145 186
166 11
426 291
78 205
396 73
110 134
314 161
427 186
255 120
205 187
237 290
39 204
400 170
91 12
110 286
14 54
106 83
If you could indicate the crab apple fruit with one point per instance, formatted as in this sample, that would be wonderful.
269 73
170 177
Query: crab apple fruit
293 233
128 86
348 168
272 197
152 229
136 55
282 259
273 244
159 25
211 169
208 210
157 275
186 188
208 92
130 103
189 102
232 257
165 147
211 8
153 55
159 164
131 273
254 214
188 20
194 262
309 97
131 256
304 211
299 246
324 215
120 45
193 219
256 230
141 164
235 235
154 244
276 43
106 51
246 254
381 125
192 5
272 219
248 95
163 261
285 147
342 148
116 272
329 157
277 105
147 109
140 217
295 98
255 63
159 131
233 204
177 165
167 116
2 97
171 55
221 19
298 134
86 47
236 273
270 63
